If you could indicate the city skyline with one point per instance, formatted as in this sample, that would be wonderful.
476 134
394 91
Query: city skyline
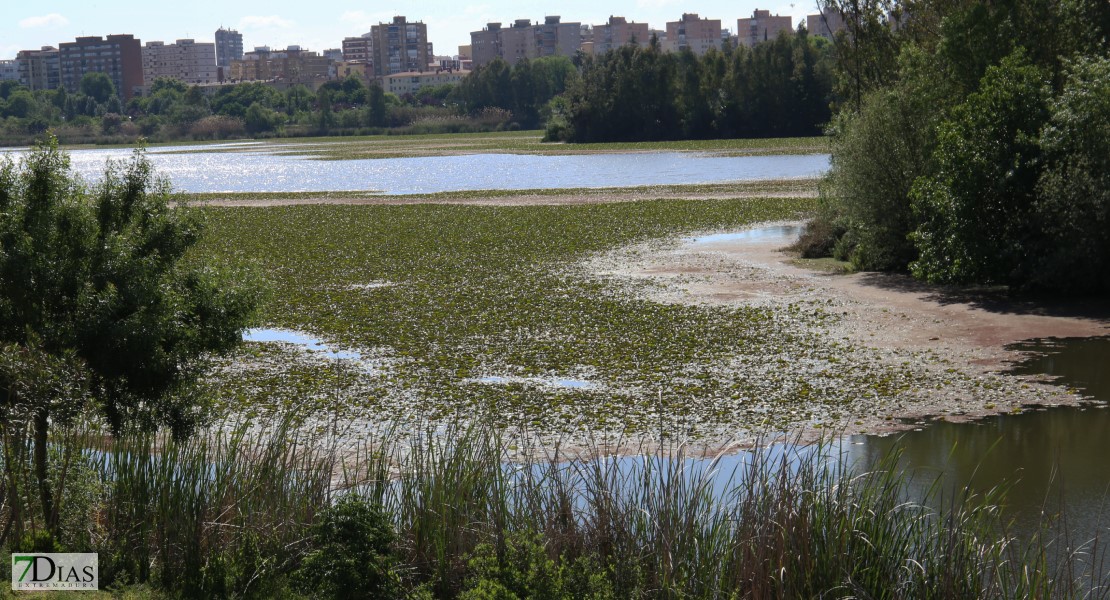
280 23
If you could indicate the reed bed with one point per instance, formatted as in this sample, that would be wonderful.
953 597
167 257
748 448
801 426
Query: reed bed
231 513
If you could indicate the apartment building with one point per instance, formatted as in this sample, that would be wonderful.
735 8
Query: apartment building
40 69
291 65
761 27
229 46
412 82
120 57
525 40
618 32
399 47
825 24
693 32
485 45
9 70
185 60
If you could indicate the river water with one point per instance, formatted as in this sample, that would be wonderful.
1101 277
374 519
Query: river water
191 169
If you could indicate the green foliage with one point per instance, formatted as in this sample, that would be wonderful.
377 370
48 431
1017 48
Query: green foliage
1072 210
20 104
99 273
97 86
352 554
965 120
518 567
522 89
976 210
877 155
234 100
260 119
779 88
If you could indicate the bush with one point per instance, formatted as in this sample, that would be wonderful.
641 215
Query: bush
352 555
877 155
523 569
1073 193
976 209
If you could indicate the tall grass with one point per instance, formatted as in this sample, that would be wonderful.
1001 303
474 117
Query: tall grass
230 513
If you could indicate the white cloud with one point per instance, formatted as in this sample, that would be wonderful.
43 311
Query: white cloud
264 22
50 20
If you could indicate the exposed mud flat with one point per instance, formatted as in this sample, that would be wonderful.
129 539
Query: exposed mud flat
955 338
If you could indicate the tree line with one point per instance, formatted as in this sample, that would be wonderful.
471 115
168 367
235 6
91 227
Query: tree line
974 146
779 88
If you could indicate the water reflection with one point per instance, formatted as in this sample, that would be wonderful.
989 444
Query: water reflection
773 233
256 172
1052 459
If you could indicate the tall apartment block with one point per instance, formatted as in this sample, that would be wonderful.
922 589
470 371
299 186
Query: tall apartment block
120 57
525 40
554 38
40 69
360 51
399 47
697 34
619 32
485 45
825 24
762 26
186 60
229 46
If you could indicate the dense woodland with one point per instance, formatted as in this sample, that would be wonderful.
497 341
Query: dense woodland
974 144
780 88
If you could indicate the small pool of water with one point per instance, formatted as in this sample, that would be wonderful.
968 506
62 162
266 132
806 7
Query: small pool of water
541 381
299 339
783 234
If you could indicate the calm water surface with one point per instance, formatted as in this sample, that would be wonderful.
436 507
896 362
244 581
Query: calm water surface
256 172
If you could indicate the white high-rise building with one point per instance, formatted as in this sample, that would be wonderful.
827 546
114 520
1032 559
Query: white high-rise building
191 62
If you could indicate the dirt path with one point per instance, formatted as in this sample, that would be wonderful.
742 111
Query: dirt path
957 336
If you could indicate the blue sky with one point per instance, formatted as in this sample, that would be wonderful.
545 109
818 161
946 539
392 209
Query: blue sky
316 26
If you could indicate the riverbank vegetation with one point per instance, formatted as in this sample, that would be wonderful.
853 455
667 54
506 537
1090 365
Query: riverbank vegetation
261 511
978 153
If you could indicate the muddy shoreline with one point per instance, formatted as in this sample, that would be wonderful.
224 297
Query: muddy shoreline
959 336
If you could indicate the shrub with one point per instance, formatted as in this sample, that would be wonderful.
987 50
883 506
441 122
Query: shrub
1073 193
352 555
877 155
976 209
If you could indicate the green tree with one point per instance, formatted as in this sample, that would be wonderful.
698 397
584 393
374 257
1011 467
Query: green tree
1073 194
260 119
375 106
94 284
97 86
325 117
21 104
975 211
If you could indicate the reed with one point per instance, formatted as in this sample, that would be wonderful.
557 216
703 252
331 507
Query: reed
230 513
